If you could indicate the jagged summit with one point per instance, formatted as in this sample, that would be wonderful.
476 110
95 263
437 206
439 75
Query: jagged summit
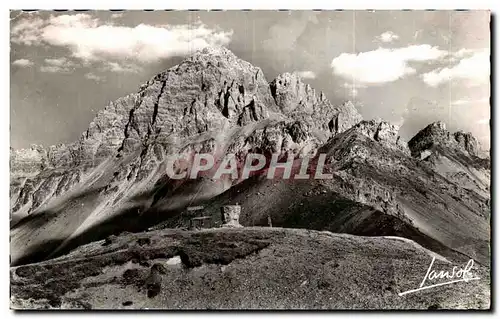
437 134
382 132
219 57
216 51
288 89
300 101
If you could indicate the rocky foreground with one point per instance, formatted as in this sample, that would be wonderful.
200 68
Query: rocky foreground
244 268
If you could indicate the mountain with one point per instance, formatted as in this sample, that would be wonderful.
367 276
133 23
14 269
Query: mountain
432 192
211 102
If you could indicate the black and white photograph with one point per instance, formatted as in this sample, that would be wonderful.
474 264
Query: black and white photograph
250 160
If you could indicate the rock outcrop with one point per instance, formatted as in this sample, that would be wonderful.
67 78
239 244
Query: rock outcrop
299 101
383 132
209 93
436 134
467 142
27 162
206 92
453 156
231 215
376 189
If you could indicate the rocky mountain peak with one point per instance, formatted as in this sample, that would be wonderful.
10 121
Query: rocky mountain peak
467 141
218 51
291 93
300 101
208 91
219 57
190 107
437 134
382 132
27 161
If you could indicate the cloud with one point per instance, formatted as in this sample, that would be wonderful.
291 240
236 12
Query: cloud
94 77
53 69
465 102
59 65
387 37
60 62
23 63
117 15
27 31
473 68
91 40
121 68
383 65
307 74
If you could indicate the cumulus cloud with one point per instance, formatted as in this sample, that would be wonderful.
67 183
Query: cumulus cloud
91 40
387 37
94 77
307 74
27 31
23 63
383 65
473 68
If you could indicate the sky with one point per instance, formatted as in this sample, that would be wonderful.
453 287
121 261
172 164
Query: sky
410 68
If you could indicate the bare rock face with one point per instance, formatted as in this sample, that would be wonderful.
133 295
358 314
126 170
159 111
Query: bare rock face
436 134
27 161
299 101
231 215
206 92
282 137
467 141
108 130
291 93
384 133
348 116
454 156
